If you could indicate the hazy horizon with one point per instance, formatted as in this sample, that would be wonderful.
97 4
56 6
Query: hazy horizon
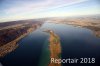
12 10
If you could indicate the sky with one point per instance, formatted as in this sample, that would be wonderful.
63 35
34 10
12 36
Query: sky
11 10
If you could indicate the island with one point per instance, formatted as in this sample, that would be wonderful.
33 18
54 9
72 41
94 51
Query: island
54 47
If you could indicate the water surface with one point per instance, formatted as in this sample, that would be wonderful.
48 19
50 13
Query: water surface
76 42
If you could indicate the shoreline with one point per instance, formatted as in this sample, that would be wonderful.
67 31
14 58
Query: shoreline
11 46
83 22
54 47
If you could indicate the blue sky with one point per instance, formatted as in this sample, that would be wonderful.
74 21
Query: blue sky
29 9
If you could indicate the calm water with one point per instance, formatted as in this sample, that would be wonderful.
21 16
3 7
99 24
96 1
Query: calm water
76 42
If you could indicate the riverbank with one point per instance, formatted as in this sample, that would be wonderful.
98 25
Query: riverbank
89 22
11 46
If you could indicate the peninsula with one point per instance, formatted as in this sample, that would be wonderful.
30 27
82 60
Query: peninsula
54 46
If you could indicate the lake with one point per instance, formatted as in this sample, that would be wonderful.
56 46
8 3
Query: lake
76 42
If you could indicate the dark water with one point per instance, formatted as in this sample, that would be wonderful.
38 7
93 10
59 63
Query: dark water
76 42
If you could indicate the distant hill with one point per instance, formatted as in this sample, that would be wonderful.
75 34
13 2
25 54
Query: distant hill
5 24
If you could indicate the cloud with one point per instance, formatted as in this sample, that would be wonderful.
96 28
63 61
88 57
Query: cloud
27 9
31 6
